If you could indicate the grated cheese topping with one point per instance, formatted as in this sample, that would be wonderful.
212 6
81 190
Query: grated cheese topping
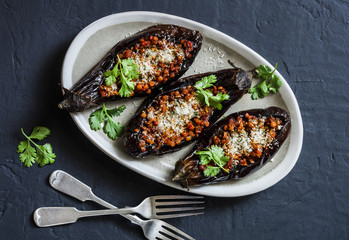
239 143
149 60
242 142
175 120
259 136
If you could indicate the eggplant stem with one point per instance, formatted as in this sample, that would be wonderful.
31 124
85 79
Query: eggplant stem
232 64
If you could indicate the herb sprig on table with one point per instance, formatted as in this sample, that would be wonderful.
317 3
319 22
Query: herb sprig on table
270 83
42 154
126 70
206 96
112 128
216 155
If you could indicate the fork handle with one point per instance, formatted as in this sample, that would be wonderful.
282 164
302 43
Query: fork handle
103 212
133 218
73 187
53 216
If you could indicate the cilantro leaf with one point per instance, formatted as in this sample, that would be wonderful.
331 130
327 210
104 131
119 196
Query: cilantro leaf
217 156
211 171
115 112
206 96
129 68
263 72
42 154
274 84
22 146
263 89
216 100
107 73
111 75
96 119
205 157
126 70
40 133
112 128
126 86
27 153
116 71
270 83
110 80
206 82
255 93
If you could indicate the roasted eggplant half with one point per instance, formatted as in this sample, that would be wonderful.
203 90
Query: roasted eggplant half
173 117
234 147
161 53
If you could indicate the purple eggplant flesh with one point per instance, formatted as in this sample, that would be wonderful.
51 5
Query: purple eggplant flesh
235 81
86 92
189 172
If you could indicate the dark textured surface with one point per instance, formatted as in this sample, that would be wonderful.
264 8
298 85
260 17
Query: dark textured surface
309 40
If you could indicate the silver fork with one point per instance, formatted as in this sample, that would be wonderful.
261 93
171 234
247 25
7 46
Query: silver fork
156 207
152 229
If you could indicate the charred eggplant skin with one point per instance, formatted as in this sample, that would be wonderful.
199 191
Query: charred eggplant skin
236 82
84 93
187 172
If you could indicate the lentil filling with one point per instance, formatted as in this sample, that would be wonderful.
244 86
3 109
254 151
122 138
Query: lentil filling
245 138
175 118
158 61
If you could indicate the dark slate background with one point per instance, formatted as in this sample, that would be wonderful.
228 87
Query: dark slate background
309 40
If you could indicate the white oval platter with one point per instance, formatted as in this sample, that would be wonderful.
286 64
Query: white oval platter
94 41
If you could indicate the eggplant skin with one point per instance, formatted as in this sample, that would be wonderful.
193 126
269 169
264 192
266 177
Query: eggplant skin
84 93
187 172
235 81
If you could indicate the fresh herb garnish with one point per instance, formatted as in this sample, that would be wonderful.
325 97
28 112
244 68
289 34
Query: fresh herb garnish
42 154
126 70
206 96
215 154
270 82
112 128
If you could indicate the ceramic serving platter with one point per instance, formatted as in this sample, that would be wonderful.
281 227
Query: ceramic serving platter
93 42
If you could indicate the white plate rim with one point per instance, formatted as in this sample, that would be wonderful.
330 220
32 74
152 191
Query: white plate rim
138 16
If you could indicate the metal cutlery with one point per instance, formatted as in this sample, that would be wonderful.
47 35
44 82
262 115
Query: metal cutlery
156 207
152 229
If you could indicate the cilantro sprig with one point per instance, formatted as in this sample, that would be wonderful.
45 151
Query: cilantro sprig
270 83
206 96
112 128
216 155
125 70
42 154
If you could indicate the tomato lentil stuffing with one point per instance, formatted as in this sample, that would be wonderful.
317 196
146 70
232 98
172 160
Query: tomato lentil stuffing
175 118
245 138
158 61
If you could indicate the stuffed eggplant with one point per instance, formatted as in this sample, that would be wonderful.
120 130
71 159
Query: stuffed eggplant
177 115
153 57
234 147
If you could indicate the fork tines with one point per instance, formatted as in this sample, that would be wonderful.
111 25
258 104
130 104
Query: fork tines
169 206
168 232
